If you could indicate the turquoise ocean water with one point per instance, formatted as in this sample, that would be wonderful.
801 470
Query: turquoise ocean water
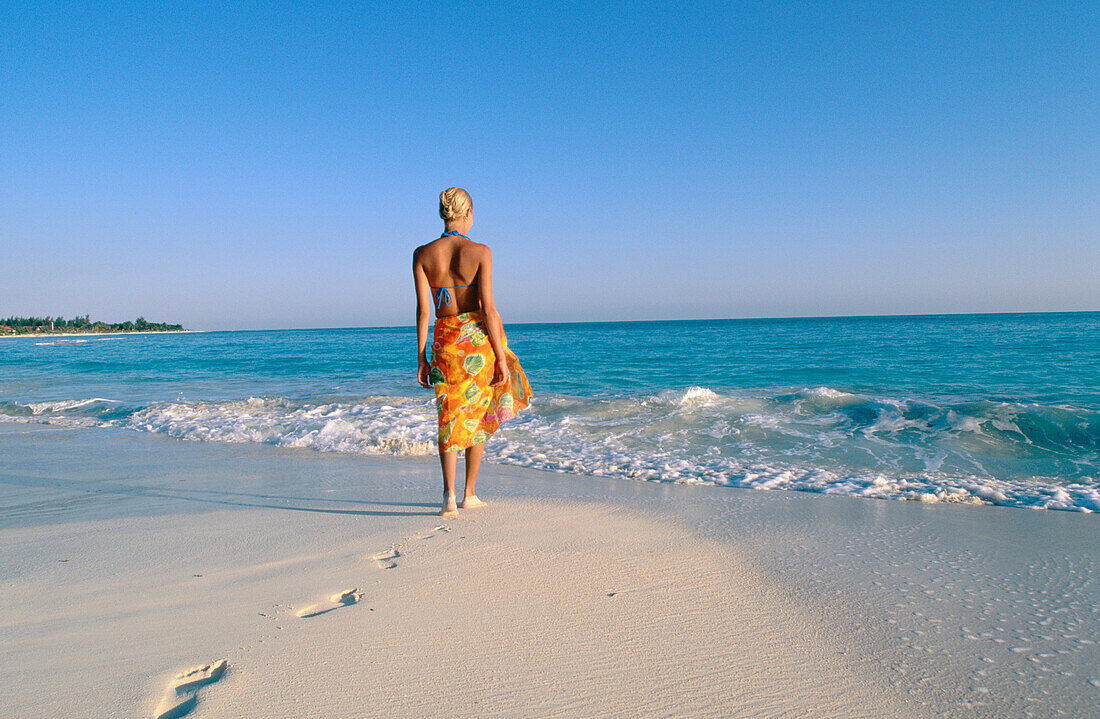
983 409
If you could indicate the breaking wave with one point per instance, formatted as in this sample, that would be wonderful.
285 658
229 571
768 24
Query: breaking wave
816 439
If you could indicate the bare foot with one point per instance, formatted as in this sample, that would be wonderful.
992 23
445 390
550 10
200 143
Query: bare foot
472 502
450 509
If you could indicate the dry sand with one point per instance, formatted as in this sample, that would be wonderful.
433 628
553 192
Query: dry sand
131 566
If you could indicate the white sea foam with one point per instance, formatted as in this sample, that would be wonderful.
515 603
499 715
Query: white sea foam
65 404
827 392
815 440
372 427
697 395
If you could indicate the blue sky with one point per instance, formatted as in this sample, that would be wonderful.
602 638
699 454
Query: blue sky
274 166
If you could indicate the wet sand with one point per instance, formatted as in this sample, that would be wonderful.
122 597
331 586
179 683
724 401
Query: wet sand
133 564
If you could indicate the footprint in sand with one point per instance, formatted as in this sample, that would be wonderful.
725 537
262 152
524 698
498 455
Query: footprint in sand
340 599
433 532
387 559
182 693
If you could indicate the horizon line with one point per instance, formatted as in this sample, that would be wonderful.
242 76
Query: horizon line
691 319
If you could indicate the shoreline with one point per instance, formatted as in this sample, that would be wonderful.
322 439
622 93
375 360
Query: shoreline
588 595
96 334
997 493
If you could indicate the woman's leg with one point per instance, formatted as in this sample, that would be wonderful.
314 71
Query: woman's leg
473 464
448 461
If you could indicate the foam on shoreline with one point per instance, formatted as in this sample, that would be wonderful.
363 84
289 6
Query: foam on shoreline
815 439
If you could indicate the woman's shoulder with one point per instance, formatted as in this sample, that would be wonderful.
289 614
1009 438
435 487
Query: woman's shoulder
425 248
479 255
470 249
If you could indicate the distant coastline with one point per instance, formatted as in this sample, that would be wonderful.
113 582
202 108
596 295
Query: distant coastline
43 335
79 325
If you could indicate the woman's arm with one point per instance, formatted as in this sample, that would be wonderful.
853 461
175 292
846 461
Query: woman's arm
493 325
423 316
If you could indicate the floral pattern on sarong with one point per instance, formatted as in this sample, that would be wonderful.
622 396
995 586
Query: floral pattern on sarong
463 363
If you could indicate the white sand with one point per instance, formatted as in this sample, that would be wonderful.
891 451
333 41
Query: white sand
131 565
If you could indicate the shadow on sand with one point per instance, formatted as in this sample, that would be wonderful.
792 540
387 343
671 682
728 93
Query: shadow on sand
234 499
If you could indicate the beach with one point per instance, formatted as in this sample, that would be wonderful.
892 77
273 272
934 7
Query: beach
129 559
803 417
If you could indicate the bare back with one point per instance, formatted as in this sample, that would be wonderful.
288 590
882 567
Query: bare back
453 268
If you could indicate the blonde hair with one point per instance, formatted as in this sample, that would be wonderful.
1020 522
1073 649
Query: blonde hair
454 203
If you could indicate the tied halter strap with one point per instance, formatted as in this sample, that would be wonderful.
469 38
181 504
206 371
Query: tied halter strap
445 297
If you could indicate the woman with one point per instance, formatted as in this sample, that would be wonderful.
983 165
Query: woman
478 382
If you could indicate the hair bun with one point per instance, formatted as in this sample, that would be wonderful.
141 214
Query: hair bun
454 203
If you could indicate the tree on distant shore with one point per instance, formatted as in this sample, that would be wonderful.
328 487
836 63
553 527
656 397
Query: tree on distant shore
80 325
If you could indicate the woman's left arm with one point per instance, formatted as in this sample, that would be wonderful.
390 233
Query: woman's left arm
423 317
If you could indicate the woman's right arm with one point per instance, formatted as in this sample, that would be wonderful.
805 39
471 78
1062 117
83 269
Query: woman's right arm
423 317
493 326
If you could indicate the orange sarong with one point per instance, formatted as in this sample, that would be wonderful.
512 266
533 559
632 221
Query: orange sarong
463 362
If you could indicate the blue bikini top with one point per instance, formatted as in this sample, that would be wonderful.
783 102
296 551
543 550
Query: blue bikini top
445 295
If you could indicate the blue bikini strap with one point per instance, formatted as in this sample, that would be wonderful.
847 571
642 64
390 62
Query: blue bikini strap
455 232
445 294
